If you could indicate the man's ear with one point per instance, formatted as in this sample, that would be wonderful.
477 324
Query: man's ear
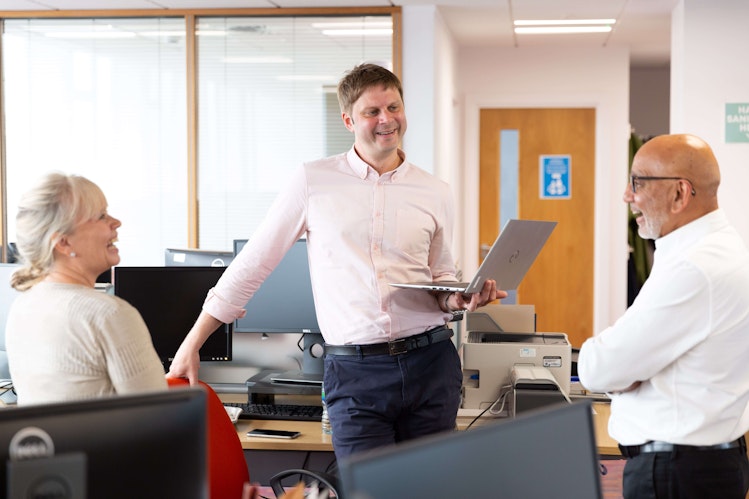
682 197
348 121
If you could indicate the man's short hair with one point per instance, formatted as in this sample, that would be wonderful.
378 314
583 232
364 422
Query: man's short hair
361 78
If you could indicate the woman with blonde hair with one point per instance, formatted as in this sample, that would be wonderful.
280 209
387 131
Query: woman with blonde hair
65 339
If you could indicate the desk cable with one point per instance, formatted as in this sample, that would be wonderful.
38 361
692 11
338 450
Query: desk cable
503 393
6 385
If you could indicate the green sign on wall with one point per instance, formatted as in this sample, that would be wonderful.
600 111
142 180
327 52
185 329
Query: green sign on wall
737 122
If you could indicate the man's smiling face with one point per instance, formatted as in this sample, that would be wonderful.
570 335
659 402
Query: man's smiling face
378 120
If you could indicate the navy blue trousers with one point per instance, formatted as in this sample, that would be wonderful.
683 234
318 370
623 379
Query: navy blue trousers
380 400
713 474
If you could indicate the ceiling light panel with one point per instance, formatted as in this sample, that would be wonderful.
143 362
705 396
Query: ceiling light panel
560 30
564 22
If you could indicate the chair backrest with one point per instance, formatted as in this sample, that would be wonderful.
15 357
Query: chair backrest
227 467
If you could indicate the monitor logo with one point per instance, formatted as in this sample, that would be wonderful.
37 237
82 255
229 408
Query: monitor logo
31 443
34 471
218 262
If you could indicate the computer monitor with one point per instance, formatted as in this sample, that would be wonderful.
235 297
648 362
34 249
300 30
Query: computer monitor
547 453
176 257
170 299
284 303
12 250
147 445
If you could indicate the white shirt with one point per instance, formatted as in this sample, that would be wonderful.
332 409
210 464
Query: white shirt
363 231
686 337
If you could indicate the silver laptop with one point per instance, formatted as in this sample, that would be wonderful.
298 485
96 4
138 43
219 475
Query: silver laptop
507 262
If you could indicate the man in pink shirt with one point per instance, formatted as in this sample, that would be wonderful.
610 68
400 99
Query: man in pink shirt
370 218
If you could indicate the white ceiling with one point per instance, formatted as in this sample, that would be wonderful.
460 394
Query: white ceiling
643 25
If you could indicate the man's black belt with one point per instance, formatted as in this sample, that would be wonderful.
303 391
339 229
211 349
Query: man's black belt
658 446
395 347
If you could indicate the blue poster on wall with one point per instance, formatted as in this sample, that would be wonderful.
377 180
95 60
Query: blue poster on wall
555 176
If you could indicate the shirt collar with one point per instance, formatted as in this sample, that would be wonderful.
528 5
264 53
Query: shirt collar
361 168
687 234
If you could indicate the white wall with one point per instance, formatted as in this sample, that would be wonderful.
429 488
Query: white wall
419 31
708 70
429 80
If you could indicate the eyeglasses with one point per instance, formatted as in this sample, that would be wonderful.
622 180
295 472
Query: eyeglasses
635 180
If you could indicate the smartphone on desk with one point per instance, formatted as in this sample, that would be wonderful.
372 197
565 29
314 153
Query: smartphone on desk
263 433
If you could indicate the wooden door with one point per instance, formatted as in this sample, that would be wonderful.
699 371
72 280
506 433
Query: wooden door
560 282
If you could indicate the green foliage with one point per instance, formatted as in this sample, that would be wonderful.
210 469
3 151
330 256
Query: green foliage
639 247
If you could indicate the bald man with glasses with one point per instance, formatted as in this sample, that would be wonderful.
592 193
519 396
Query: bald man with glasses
676 364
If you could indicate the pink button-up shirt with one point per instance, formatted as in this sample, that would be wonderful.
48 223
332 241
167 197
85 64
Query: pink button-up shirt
363 230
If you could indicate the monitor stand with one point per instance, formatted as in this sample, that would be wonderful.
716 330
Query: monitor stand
263 386
312 364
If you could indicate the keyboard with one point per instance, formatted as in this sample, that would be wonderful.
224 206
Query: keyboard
278 411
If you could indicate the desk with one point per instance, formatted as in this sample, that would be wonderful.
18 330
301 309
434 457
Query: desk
314 450
267 456
607 446
312 438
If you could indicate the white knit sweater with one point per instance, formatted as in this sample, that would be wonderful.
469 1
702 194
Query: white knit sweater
67 341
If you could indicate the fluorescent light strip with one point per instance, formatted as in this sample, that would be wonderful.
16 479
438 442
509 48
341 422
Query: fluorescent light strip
562 22
542 30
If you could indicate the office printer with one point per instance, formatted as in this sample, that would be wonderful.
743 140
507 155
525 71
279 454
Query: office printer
490 352
533 387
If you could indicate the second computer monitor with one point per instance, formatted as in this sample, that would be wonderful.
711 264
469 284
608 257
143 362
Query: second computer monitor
170 299
191 257
284 303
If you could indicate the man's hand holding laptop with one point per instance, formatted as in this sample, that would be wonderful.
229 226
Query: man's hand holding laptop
457 301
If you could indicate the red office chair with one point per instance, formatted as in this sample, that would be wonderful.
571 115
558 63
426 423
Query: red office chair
227 467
